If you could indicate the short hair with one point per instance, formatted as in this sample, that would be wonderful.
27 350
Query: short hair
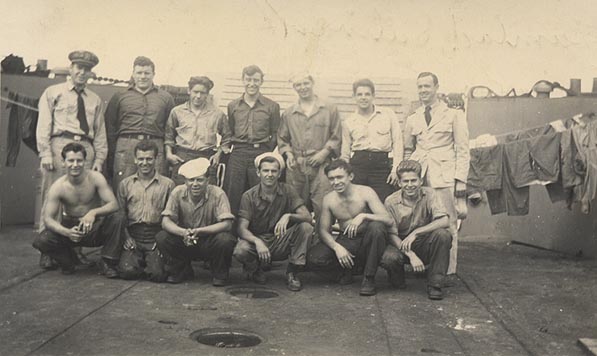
142 61
408 166
429 74
203 80
365 82
269 160
338 164
296 77
73 147
146 145
252 69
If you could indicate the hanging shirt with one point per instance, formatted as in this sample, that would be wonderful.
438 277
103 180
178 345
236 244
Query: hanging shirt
380 132
197 131
58 114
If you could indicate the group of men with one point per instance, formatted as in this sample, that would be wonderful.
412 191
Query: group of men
340 170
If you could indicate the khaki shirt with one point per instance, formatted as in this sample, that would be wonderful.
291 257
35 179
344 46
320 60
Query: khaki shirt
213 208
144 203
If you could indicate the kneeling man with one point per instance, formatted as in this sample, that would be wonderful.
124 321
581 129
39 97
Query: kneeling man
197 223
142 198
274 224
90 215
363 222
419 231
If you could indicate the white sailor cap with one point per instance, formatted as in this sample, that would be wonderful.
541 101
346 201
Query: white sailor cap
274 155
194 168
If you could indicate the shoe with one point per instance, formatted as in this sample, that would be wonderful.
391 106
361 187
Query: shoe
46 262
108 269
368 287
175 279
218 282
81 259
186 274
345 277
396 277
293 283
435 293
68 270
259 276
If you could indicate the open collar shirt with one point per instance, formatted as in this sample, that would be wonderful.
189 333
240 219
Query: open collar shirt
380 132
307 134
58 114
212 208
408 218
144 202
257 124
197 131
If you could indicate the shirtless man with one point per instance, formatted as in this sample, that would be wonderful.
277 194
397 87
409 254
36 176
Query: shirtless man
85 221
363 222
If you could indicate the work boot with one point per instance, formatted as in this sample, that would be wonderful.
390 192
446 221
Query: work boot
396 277
46 262
218 282
108 268
345 277
368 286
80 258
435 293
293 283
259 276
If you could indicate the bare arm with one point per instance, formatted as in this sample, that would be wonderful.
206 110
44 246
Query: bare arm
345 258
378 212
171 227
209 230
106 195
262 250
51 210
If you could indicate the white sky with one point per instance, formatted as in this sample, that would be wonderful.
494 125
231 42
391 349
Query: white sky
498 43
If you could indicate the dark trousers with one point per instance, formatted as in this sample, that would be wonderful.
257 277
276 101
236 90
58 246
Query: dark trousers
372 169
145 257
433 249
105 232
188 155
241 174
216 249
368 247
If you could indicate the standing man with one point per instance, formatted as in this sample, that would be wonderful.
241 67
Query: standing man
363 221
419 234
197 223
90 215
192 127
254 121
309 136
142 198
136 114
370 133
437 137
70 112
274 224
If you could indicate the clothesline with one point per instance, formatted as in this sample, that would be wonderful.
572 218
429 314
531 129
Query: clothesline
18 103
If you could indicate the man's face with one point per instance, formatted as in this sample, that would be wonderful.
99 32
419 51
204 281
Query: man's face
198 95
252 83
197 185
304 88
79 74
364 97
340 179
427 89
145 161
269 172
74 162
410 183
143 77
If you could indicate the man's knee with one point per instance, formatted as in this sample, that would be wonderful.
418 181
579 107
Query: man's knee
305 230
242 250
377 229
443 237
162 239
392 257
224 241
42 241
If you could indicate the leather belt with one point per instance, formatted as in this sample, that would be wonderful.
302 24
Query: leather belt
74 137
140 136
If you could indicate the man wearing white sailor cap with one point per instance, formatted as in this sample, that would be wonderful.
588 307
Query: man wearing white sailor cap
197 223
274 224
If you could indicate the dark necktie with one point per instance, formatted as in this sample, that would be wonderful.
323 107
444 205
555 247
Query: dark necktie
81 115
428 115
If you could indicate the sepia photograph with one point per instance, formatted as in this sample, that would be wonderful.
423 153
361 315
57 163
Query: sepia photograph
270 177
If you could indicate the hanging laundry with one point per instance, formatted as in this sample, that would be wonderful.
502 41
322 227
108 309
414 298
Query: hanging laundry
22 122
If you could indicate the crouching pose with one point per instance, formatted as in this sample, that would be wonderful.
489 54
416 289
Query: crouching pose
364 224
419 233
274 224
142 198
90 215
197 223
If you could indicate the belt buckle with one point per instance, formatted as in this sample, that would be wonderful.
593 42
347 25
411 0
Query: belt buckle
77 137
256 145
140 137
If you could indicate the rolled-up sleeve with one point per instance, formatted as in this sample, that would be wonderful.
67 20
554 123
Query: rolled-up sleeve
223 208
284 135
335 139
170 131
172 207
100 141
225 133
